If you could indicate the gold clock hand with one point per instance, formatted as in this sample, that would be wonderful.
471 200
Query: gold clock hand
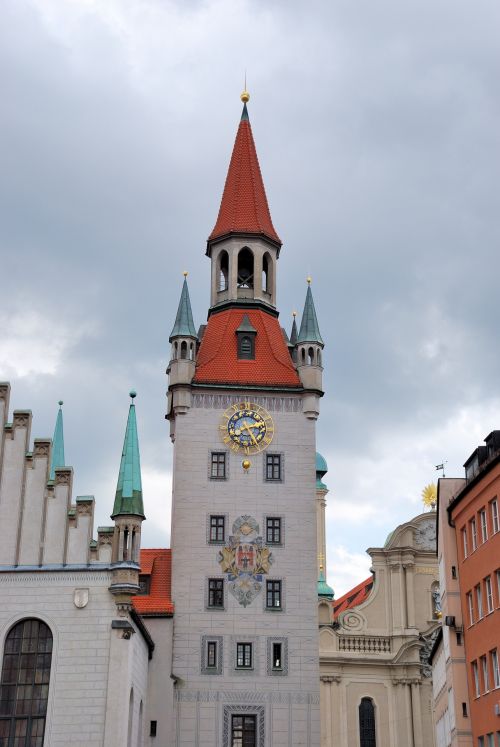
246 426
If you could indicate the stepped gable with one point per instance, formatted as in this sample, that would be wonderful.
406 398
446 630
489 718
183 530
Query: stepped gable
354 597
244 207
217 360
157 564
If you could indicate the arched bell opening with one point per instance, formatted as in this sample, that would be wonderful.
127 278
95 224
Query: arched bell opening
223 271
176 350
310 357
267 274
184 349
245 269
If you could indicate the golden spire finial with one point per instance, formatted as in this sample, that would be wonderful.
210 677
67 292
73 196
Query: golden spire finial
185 273
309 280
245 96
294 314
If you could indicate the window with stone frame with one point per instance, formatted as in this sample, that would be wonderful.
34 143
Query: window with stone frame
274 467
273 530
216 593
217 528
243 730
367 736
274 599
211 654
25 680
218 465
244 656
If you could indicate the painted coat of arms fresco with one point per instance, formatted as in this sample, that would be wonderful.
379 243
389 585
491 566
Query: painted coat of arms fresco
245 560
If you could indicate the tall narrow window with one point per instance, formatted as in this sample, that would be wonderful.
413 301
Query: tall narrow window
223 270
470 607
211 654
479 600
495 668
367 723
130 717
489 593
243 731
475 677
494 516
484 525
273 595
217 528
273 530
277 652
473 534
216 593
273 467
245 268
218 465
464 542
244 655
486 679
25 684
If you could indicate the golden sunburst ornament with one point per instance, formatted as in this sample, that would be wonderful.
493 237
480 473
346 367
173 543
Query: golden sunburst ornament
429 496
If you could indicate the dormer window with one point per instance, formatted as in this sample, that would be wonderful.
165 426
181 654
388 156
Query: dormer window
246 335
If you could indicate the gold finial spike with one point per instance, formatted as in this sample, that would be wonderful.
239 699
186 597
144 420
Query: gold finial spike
294 314
309 280
185 273
245 97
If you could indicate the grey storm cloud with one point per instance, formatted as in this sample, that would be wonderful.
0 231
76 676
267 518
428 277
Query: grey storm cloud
377 132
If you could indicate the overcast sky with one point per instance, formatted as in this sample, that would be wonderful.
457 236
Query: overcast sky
377 129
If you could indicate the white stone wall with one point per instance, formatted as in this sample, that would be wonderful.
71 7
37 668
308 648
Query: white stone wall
289 704
161 685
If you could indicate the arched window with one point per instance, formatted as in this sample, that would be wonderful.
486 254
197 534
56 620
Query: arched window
245 268
25 684
191 352
130 717
184 349
176 349
367 723
318 357
223 262
310 356
267 273
303 355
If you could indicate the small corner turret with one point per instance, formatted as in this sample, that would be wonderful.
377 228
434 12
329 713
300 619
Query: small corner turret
57 457
309 347
181 368
128 515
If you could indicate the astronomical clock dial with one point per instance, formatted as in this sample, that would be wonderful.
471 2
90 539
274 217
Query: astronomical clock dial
247 427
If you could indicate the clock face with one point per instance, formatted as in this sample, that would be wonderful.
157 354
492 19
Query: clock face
247 427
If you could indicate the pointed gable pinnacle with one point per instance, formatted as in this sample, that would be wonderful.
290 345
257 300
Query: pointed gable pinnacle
309 327
294 334
57 459
184 325
128 499
244 207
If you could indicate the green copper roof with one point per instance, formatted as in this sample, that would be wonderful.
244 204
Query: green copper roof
57 445
184 325
309 327
244 114
128 498
321 465
324 590
293 334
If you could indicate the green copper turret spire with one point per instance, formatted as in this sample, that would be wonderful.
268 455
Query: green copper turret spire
324 591
309 327
57 459
128 498
293 333
184 325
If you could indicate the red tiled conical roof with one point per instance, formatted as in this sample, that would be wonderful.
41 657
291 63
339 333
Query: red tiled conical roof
244 207
217 361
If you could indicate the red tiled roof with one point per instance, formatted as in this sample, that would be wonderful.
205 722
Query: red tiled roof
158 565
354 597
244 207
217 360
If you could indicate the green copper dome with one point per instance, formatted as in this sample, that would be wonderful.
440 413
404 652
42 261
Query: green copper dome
324 591
321 470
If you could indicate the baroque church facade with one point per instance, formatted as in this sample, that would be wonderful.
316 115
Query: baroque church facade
213 642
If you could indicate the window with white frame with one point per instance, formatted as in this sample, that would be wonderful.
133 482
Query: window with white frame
486 678
489 593
473 534
475 677
484 525
479 601
470 607
464 542
495 526
495 668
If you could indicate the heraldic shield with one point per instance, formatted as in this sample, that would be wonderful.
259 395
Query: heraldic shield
245 560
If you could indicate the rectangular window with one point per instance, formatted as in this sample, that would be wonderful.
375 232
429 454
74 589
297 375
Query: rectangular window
273 467
277 652
211 654
144 585
243 731
489 594
494 516
497 574
216 593
479 600
484 525
475 677
218 465
273 530
484 670
473 534
244 655
152 728
480 742
495 668
217 528
273 595
464 542
470 607
489 740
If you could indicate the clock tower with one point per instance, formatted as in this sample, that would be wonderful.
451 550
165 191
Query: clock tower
242 404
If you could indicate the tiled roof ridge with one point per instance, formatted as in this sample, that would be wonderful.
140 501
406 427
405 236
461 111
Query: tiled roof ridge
215 350
276 352
348 600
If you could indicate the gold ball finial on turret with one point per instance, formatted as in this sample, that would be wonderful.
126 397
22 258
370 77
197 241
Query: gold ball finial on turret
245 96
294 314
185 273
309 280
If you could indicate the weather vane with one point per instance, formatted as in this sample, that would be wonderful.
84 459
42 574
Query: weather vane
441 467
